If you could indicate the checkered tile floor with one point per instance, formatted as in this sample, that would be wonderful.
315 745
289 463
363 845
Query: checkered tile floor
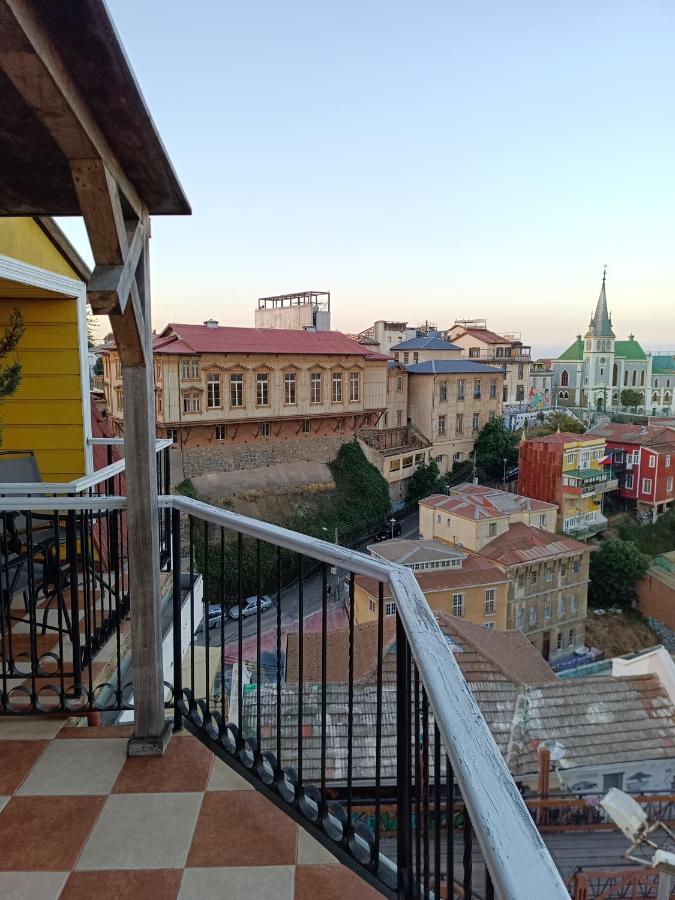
78 819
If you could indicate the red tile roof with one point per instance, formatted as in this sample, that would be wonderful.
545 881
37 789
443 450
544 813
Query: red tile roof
480 502
490 337
524 544
475 571
656 437
563 437
190 339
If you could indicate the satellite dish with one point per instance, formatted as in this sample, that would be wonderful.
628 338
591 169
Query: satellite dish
556 749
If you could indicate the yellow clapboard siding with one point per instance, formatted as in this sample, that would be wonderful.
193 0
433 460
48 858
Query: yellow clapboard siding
23 239
34 437
42 387
37 412
39 312
60 465
56 362
47 337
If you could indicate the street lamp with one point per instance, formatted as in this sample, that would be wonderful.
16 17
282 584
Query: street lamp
504 475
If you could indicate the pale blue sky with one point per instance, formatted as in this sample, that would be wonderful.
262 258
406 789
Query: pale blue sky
419 160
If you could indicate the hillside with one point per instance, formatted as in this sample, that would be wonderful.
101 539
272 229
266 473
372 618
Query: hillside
619 633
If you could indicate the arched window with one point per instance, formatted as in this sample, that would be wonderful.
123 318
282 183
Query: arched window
564 377
634 379
567 395
642 378
667 382
615 374
625 379
561 395
655 396
656 382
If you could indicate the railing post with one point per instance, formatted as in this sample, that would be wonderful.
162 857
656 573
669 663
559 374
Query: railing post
176 597
71 550
403 772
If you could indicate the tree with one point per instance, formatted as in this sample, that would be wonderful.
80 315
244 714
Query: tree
424 481
494 444
10 375
98 366
630 397
614 570
561 421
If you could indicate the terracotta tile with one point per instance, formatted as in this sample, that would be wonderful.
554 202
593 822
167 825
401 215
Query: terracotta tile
185 766
241 828
96 731
331 883
23 728
120 884
17 758
46 833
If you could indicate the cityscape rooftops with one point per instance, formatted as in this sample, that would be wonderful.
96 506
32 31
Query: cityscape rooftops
474 501
565 437
629 433
524 544
425 343
410 552
452 367
474 572
484 334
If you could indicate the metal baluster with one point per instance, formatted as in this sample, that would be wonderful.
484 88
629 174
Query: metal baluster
489 886
467 855
90 606
437 810
450 833
240 635
279 659
207 629
350 706
324 675
418 777
177 603
222 622
258 678
192 606
71 551
425 788
301 664
58 587
378 724
32 612
403 768
5 613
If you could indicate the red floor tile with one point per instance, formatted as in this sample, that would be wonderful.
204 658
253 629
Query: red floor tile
46 833
17 758
241 828
140 884
331 882
185 766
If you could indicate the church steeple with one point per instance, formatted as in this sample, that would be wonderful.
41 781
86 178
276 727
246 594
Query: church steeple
602 326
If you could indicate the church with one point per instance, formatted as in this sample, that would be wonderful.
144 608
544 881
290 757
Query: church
594 370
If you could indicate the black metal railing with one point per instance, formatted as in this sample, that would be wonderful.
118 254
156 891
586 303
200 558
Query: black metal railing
325 704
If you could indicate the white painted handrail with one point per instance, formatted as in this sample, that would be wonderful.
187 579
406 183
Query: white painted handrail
60 488
517 858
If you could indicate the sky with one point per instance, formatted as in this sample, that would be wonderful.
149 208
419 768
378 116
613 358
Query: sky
420 161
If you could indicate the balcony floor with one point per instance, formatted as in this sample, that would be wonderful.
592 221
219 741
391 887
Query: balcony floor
79 819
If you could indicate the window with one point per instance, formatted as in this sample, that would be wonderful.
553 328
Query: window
505 393
492 529
220 433
399 383
118 368
442 424
646 485
265 429
399 418
571 637
490 595
548 576
520 393
406 358
570 458
192 403
667 460
542 520
656 382
493 389
521 371
561 607
458 604
489 625
371 604
390 608
559 641
190 369
573 603
521 580
533 615
386 420
315 387
519 618
459 424
354 386
474 352
476 389
290 381
407 462
634 378
642 378
443 390
669 485
629 481
547 611
625 379
533 577
564 378
563 569
475 423
416 357
612 779
212 390
236 389
394 465
172 433
419 458
337 387
262 389
340 423
306 426
159 403
460 389
576 566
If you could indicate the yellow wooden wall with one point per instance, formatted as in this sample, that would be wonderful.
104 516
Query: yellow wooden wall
45 415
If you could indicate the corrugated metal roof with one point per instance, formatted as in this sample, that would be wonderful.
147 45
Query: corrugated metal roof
426 343
451 367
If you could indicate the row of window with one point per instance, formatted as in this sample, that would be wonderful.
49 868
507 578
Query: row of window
264 429
406 462
647 484
532 618
436 564
237 384
490 605
584 457
459 423
461 389
549 573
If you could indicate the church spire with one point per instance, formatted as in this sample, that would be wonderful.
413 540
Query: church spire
602 326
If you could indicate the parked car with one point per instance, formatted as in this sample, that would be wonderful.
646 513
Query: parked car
388 530
511 474
250 606
215 615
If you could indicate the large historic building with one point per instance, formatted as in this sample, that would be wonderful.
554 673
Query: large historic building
595 369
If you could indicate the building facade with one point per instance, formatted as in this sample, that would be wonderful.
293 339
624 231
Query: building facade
572 471
396 453
593 371
424 349
306 310
663 382
449 401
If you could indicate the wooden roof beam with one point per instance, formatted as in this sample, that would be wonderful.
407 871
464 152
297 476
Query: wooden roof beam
32 64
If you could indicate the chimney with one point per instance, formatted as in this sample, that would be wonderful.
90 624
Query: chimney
211 323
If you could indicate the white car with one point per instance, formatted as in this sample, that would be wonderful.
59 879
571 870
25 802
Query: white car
250 606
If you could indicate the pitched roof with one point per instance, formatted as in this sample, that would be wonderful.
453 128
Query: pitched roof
663 363
425 343
406 552
656 436
629 350
522 544
563 437
490 337
185 339
475 572
575 352
476 501
451 367
602 327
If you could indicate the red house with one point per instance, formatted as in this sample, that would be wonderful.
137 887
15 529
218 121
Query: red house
644 463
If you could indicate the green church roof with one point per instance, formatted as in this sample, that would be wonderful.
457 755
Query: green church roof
575 352
664 364
629 350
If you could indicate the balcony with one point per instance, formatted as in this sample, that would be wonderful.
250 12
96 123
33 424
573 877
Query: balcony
515 355
410 743
586 525
587 482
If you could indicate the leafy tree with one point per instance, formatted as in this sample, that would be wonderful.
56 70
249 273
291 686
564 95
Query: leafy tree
98 366
615 568
494 444
560 421
630 397
425 480
10 375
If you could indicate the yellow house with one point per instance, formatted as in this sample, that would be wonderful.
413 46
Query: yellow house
42 275
454 582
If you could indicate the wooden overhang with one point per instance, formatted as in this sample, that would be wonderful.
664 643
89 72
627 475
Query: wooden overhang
74 45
